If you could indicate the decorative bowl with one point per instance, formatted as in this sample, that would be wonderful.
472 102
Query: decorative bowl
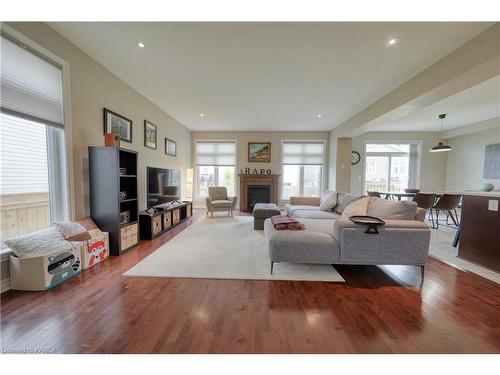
412 191
487 186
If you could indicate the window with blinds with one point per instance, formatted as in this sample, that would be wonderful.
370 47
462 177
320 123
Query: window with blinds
302 168
31 85
216 153
33 175
215 166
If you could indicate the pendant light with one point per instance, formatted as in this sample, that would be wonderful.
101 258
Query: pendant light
440 147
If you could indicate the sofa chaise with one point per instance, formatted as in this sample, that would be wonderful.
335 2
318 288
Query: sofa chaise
331 238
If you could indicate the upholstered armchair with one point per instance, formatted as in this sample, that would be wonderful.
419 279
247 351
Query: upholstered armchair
218 200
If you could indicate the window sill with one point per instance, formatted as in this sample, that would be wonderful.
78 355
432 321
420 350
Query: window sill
5 254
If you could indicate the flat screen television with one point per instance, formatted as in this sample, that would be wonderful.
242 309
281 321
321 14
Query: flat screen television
163 186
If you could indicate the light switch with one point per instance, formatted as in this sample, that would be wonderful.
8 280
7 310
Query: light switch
493 205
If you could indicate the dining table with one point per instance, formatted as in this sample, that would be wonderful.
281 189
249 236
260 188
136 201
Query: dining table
399 195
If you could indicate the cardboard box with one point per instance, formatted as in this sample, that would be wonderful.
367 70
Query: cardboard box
45 272
95 250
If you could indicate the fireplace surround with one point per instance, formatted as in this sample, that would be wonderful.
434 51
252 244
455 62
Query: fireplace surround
249 181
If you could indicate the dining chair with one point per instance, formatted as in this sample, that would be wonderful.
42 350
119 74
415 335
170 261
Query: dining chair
425 201
375 194
449 204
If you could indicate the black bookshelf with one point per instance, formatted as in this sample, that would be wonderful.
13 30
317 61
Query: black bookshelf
154 223
111 171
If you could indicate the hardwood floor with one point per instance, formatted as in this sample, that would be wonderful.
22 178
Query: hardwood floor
377 310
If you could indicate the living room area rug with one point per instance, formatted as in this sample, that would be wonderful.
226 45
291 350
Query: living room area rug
225 248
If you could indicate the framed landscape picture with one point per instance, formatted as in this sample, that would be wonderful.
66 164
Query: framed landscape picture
170 147
150 135
259 152
117 124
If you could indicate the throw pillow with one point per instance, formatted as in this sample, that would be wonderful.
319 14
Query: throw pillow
41 243
73 231
392 210
357 208
344 200
328 202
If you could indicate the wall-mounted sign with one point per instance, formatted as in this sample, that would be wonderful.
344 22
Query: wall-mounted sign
256 171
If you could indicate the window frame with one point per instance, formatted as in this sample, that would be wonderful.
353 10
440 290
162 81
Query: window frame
301 173
419 144
196 193
44 53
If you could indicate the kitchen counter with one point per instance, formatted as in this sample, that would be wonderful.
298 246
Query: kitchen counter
480 229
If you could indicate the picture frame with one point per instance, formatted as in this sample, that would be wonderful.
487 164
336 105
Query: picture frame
259 152
170 147
150 135
117 124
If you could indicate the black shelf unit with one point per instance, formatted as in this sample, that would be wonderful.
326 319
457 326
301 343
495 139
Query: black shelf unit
106 183
156 223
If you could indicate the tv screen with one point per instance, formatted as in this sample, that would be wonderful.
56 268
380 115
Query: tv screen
163 186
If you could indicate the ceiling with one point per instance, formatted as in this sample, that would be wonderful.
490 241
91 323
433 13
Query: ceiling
475 104
266 76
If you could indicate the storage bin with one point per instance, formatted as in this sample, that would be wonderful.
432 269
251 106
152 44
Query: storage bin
45 272
95 250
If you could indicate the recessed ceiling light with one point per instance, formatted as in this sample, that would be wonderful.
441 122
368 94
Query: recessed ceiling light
392 42
202 115
140 44
319 115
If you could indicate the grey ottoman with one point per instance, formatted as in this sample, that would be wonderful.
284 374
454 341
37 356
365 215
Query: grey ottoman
263 211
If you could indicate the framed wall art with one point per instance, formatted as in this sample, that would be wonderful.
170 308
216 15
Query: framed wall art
150 135
118 124
259 152
170 147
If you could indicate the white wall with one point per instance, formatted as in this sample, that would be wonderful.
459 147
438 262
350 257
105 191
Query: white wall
465 162
93 87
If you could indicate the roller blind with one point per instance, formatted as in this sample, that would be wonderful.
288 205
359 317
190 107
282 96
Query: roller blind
216 153
23 156
31 87
303 153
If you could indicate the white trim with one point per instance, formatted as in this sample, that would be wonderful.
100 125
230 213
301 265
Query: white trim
5 254
324 182
5 258
16 35
5 285
363 157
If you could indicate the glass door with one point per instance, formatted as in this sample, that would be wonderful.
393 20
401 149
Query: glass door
377 173
391 167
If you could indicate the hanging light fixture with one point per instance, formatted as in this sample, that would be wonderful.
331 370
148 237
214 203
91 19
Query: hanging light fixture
440 147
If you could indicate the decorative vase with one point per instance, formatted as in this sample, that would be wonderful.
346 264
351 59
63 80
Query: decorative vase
487 186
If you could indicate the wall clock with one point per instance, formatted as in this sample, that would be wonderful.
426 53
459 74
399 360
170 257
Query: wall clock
355 157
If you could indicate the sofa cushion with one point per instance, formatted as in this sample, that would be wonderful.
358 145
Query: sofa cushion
328 202
315 244
318 214
357 208
40 243
222 203
344 200
392 210
291 208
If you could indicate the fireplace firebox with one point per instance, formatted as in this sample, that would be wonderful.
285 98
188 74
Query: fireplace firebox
258 194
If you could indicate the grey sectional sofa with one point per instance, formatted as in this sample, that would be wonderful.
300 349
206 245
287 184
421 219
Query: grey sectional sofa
332 238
